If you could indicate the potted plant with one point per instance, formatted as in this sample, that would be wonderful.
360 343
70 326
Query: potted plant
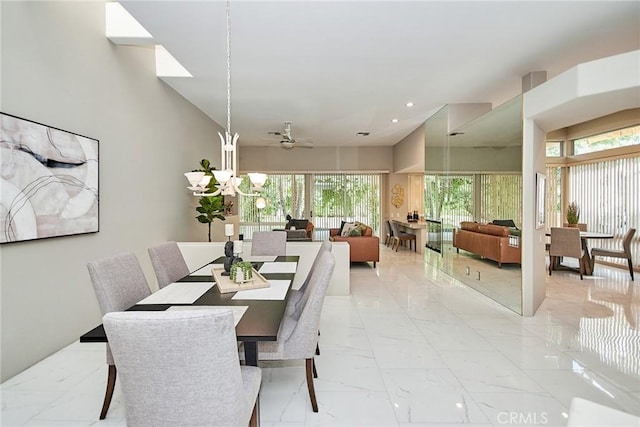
211 207
241 272
573 214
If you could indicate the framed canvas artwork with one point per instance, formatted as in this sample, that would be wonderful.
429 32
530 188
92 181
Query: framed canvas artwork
48 181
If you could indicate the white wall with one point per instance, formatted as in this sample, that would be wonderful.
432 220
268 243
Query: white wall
408 154
58 68
317 159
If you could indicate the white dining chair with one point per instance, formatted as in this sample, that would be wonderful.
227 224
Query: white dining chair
168 263
181 368
298 335
269 243
119 283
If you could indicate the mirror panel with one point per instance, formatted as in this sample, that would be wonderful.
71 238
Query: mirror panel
473 174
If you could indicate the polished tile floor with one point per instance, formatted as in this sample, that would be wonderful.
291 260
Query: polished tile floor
410 347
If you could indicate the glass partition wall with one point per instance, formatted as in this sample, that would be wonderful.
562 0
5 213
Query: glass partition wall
473 173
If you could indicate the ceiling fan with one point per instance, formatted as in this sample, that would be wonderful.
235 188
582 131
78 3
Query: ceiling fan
286 139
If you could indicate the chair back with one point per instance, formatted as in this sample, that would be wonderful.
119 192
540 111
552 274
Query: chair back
565 242
389 229
168 263
626 241
305 288
394 229
118 282
301 344
177 368
269 243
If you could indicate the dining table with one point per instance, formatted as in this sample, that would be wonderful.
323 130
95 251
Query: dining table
586 257
258 312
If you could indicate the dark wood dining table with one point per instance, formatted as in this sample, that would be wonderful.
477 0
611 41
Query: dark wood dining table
260 322
586 257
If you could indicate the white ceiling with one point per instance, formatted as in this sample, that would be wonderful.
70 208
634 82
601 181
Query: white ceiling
337 68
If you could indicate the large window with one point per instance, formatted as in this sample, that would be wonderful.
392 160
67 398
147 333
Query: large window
346 197
334 198
284 194
605 141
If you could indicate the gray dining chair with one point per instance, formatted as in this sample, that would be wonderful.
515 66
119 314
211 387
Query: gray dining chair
625 253
565 242
269 243
297 297
389 237
298 335
168 263
119 283
181 368
401 236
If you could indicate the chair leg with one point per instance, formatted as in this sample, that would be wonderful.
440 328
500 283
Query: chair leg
315 371
630 268
581 267
254 421
552 259
111 383
312 392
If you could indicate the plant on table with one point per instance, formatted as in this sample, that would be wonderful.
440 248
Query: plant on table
241 272
573 213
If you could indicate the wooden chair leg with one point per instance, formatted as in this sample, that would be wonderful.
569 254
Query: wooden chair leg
630 268
552 259
254 421
312 392
581 267
315 371
111 383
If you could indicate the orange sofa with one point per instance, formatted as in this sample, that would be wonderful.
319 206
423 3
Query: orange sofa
363 248
489 241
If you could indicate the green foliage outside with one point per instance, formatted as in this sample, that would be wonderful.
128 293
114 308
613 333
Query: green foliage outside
284 195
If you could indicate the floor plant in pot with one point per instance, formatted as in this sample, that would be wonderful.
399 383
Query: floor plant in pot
211 207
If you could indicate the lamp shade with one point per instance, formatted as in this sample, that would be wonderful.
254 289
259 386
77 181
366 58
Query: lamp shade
194 178
261 203
228 230
257 179
223 176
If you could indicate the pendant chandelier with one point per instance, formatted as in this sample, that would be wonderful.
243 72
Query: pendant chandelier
227 177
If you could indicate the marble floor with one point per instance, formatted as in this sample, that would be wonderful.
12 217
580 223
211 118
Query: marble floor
410 347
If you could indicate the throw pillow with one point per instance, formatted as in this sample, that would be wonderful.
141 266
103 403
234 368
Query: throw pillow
341 227
356 231
347 228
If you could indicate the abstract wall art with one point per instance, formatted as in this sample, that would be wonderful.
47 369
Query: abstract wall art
48 181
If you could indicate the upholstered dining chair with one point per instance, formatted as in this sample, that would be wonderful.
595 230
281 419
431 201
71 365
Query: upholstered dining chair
298 334
565 242
269 243
400 236
625 253
168 263
297 297
119 283
181 368
389 237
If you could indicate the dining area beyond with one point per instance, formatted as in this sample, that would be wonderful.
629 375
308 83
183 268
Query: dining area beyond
411 346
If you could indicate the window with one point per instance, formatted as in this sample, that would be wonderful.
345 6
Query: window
285 196
604 141
346 197
554 148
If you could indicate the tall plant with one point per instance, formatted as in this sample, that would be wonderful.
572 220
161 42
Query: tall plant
211 207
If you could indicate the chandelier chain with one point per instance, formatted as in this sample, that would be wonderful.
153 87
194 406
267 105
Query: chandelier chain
228 11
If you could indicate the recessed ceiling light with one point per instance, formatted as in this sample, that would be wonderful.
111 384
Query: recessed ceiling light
394 120
363 134
409 104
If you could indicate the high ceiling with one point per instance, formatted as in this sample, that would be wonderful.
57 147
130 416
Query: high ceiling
334 69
